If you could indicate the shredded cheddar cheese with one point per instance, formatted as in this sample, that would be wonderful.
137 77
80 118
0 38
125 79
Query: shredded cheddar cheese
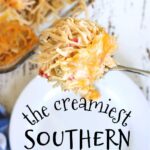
15 41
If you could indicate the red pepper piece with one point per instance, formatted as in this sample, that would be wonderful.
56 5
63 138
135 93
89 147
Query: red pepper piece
75 40
41 73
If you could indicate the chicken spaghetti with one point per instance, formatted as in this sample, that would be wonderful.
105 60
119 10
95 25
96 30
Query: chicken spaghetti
75 53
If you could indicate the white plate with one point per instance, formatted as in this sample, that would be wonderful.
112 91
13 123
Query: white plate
124 94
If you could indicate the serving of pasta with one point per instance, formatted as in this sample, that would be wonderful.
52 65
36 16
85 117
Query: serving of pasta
75 53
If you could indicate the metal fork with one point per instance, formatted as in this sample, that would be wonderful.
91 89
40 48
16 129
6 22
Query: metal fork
132 70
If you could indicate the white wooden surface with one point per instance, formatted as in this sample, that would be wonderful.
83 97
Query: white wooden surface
129 20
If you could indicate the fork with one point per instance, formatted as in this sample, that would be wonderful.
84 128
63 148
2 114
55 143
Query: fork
130 69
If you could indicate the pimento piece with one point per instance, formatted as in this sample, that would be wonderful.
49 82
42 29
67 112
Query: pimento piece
41 73
74 40
71 78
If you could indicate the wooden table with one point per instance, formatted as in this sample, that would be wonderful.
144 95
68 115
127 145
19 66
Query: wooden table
128 20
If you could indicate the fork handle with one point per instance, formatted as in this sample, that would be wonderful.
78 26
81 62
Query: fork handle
132 70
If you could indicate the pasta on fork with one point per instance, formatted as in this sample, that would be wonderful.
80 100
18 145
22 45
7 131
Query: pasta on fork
75 53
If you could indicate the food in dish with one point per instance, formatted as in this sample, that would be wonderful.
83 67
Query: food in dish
75 53
31 12
17 4
15 41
